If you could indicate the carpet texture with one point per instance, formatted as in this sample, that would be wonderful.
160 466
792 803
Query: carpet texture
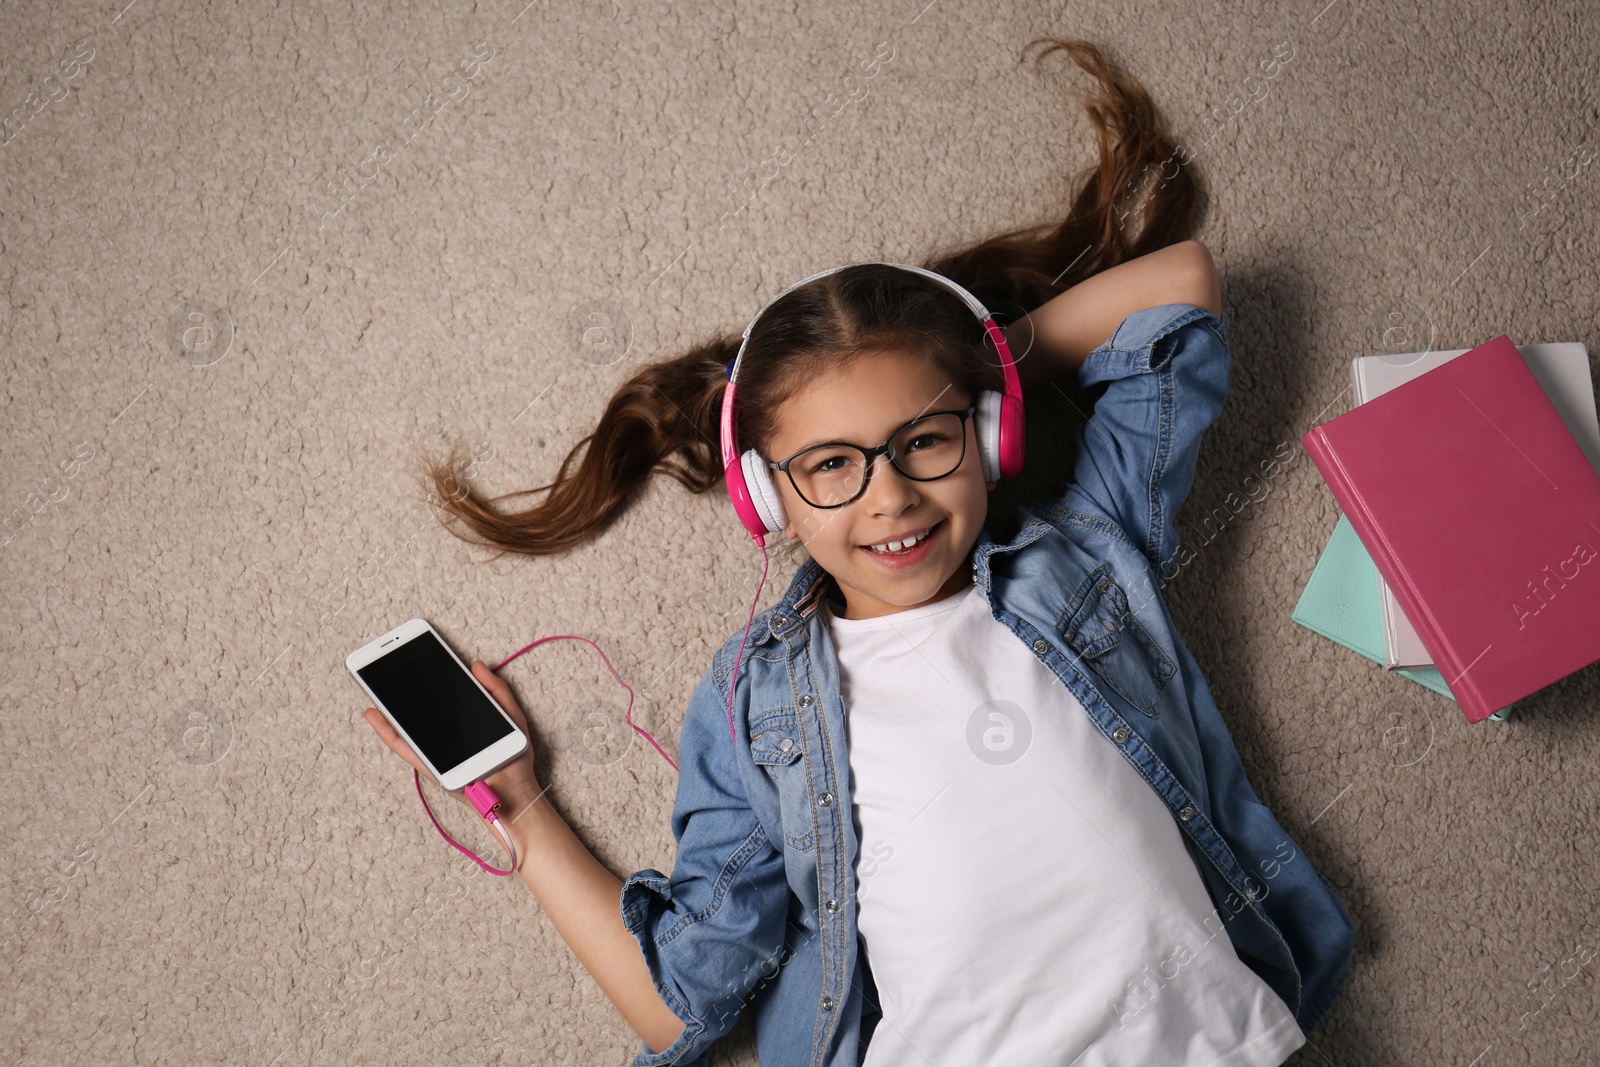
260 259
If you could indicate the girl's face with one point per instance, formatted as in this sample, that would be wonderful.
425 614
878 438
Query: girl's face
863 403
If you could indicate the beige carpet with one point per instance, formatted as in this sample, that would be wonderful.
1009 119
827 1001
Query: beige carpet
232 327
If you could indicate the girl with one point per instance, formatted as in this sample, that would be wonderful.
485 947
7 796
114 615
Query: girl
952 800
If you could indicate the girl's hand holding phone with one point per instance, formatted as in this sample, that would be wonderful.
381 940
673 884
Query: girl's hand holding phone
516 784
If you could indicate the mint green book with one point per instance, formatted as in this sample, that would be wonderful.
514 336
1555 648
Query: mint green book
1340 602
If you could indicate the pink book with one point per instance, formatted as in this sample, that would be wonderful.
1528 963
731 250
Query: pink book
1483 515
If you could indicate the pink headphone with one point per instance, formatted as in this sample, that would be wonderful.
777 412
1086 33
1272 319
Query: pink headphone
998 422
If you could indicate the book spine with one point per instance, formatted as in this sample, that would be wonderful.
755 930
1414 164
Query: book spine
1447 661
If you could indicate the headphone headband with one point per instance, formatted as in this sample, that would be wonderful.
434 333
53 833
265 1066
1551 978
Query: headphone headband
973 303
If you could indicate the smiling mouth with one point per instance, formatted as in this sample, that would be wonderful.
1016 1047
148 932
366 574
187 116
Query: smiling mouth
901 547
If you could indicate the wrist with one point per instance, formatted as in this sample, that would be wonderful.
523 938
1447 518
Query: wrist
529 819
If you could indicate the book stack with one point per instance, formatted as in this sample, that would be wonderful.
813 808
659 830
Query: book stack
1468 554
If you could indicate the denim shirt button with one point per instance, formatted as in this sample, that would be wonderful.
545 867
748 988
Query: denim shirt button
780 621
805 701
825 799
1251 892
1041 645
827 1003
1186 814
831 905
1121 735
788 742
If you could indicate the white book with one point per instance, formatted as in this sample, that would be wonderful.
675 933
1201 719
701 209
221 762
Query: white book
1562 368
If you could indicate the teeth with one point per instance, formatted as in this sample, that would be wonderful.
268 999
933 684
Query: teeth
896 546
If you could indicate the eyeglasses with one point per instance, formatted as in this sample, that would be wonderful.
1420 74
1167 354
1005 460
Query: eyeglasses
927 448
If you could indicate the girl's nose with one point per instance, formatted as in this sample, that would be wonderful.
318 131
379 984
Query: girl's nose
889 491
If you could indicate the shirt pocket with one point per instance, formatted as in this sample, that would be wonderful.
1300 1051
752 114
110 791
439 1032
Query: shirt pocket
776 747
1099 626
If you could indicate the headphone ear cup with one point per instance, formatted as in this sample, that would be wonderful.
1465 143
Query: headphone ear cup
1013 436
763 493
987 425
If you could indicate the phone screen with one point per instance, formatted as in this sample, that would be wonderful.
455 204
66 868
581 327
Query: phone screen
435 701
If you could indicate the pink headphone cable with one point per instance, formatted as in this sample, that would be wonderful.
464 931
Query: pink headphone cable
614 674
733 678
487 803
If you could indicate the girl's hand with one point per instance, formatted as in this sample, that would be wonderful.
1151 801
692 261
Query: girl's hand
515 784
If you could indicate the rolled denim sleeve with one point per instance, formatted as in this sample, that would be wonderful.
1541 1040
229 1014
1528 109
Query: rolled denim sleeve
711 931
1168 372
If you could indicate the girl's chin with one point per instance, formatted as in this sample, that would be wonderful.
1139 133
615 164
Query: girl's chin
904 589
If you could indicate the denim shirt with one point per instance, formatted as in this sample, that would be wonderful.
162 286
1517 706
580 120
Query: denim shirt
761 905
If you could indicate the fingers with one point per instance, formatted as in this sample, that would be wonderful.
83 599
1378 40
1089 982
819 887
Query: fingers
386 733
491 681
501 692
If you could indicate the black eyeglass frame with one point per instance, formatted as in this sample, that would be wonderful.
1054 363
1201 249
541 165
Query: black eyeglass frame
871 455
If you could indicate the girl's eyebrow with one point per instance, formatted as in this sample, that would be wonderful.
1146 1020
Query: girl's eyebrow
831 441
929 406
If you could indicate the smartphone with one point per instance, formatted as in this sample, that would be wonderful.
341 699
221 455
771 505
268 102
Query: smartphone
432 700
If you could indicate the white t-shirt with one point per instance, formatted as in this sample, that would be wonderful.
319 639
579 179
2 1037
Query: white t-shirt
1025 897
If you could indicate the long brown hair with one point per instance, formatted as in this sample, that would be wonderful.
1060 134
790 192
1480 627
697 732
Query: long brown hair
665 419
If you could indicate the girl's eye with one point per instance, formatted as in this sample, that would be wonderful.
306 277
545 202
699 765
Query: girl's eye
935 438
823 468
